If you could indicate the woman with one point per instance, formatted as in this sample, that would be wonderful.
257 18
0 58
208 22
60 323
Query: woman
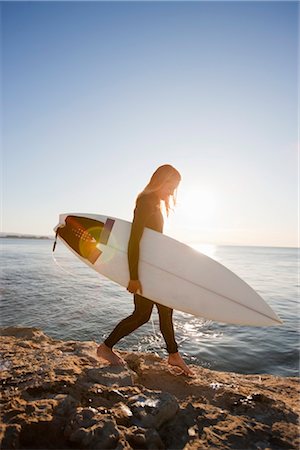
162 186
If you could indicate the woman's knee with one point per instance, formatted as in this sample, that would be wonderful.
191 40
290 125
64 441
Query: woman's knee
144 318
140 317
143 309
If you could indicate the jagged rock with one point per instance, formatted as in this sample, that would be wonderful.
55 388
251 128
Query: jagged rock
56 394
122 414
87 350
10 436
82 418
141 438
82 436
153 440
136 438
88 428
24 333
154 409
106 435
66 404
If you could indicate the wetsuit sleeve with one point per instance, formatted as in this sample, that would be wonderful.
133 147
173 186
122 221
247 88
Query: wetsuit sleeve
142 212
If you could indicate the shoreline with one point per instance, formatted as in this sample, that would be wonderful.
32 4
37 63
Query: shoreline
24 236
57 394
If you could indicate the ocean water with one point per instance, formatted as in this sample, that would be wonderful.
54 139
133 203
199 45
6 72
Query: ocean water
67 300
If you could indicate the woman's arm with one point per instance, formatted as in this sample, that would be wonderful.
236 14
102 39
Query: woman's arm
142 212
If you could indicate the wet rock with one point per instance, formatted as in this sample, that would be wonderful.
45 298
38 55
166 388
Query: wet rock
122 414
154 409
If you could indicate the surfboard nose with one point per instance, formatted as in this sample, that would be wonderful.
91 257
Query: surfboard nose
277 320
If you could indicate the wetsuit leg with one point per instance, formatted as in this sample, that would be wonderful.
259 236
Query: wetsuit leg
141 314
166 327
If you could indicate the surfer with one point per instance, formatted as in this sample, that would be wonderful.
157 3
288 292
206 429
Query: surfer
161 188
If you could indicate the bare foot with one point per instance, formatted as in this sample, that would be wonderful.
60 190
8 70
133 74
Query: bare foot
176 360
105 353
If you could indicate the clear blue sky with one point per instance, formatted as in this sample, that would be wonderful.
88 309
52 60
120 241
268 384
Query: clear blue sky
96 95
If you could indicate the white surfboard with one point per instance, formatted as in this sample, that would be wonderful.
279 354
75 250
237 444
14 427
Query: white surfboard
171 273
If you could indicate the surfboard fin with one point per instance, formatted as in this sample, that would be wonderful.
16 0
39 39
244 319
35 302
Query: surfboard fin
55 240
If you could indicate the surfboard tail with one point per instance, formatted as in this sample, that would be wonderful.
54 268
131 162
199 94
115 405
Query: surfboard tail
82 235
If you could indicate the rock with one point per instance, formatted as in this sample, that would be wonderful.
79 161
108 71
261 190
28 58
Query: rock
87 350
82 418
66 404
111 376
141 438
24 333
122 414
82 437
154 409
153 440
106 435
10 435
88 428
136 438
55 394
134 362
284 435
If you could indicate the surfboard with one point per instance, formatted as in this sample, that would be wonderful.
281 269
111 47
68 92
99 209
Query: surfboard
171 272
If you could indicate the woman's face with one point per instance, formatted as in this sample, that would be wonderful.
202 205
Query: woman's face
168 189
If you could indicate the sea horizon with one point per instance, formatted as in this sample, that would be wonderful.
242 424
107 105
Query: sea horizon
194 244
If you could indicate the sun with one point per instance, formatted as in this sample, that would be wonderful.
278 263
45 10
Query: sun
197 207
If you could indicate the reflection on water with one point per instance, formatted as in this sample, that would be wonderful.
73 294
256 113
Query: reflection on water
77 303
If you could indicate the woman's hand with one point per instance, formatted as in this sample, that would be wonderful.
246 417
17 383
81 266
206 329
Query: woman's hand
134 286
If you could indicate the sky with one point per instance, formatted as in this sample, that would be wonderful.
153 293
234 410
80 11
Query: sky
97 95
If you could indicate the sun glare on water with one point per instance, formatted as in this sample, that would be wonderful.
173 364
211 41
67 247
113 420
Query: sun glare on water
206 249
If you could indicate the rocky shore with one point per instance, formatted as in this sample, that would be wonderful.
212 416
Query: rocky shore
57 395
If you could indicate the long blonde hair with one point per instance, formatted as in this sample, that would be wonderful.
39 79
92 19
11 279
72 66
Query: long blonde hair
162 175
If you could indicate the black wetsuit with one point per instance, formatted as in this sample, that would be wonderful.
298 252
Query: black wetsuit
147 213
